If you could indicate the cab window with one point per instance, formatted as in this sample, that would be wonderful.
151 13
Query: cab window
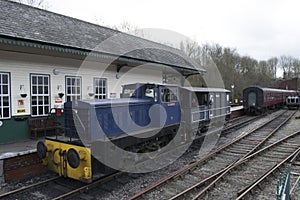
150 91
169 95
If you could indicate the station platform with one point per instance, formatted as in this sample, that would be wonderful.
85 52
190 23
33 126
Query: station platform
234 108
14 149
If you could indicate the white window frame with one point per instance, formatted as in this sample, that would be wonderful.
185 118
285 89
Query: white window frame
73 94
40 95
169 94
100 89
7 95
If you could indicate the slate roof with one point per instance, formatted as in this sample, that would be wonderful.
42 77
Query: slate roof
33 24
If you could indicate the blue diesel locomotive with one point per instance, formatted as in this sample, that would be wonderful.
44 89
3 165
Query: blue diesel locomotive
146 118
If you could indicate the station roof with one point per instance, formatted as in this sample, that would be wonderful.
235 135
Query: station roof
202 89
33 27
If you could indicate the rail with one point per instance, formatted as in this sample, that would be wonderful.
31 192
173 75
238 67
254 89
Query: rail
191 167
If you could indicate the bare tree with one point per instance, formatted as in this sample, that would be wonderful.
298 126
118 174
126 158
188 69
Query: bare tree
286 63
35 3
296 67
130 29
273 63
192 49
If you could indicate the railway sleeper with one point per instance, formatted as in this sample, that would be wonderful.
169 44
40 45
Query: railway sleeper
231 154
296 163
173 188
221 160
238 151
285 149
243 146
248 141
276 155
258 167
294 143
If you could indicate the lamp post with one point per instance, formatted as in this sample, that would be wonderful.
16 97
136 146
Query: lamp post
232 93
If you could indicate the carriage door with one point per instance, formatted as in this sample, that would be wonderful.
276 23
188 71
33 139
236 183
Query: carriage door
251 99
212 110
218 106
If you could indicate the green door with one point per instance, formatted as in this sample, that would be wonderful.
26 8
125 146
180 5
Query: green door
252 99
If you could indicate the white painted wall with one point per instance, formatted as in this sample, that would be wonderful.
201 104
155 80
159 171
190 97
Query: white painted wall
20 66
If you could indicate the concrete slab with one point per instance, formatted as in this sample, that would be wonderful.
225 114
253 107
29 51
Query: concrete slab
18 148
236 108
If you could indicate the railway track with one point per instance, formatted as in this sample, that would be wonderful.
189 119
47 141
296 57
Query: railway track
271 176
62 189
237 119
26 189
47 189
239 122
207 169
238 179
55 188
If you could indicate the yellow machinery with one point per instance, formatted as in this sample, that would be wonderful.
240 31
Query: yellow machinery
68 160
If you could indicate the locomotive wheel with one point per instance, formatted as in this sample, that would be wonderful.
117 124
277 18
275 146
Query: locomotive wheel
73 158
52 157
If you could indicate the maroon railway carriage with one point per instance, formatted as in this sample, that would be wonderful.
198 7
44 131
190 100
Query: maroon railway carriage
256 99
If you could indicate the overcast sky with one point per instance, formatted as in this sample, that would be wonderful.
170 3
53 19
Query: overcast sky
260 29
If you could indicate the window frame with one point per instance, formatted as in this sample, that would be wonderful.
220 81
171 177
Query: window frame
172 92
7 95
95 88
31 75
66 88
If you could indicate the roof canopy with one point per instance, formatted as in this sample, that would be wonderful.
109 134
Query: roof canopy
43 29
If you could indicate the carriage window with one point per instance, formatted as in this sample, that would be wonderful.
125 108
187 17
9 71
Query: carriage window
212 98
4 96
168 95
202 98
40 94
73 88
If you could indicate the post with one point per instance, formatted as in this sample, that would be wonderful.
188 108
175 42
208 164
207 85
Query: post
232 94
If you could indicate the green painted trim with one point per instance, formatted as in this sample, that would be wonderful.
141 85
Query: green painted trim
14 130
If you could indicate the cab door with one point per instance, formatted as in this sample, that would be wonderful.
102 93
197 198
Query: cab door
169 100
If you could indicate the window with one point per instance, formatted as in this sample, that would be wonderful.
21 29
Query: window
128 91
169 95
150 91
73 88
100 88
40 94
4 95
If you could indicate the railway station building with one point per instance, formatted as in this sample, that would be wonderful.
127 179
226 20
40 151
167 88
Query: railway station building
47 59
289 84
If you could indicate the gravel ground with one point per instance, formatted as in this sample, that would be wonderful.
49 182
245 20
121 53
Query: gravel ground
125 190
5 187
268 189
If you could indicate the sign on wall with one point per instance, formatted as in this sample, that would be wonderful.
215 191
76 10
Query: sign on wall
21 106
